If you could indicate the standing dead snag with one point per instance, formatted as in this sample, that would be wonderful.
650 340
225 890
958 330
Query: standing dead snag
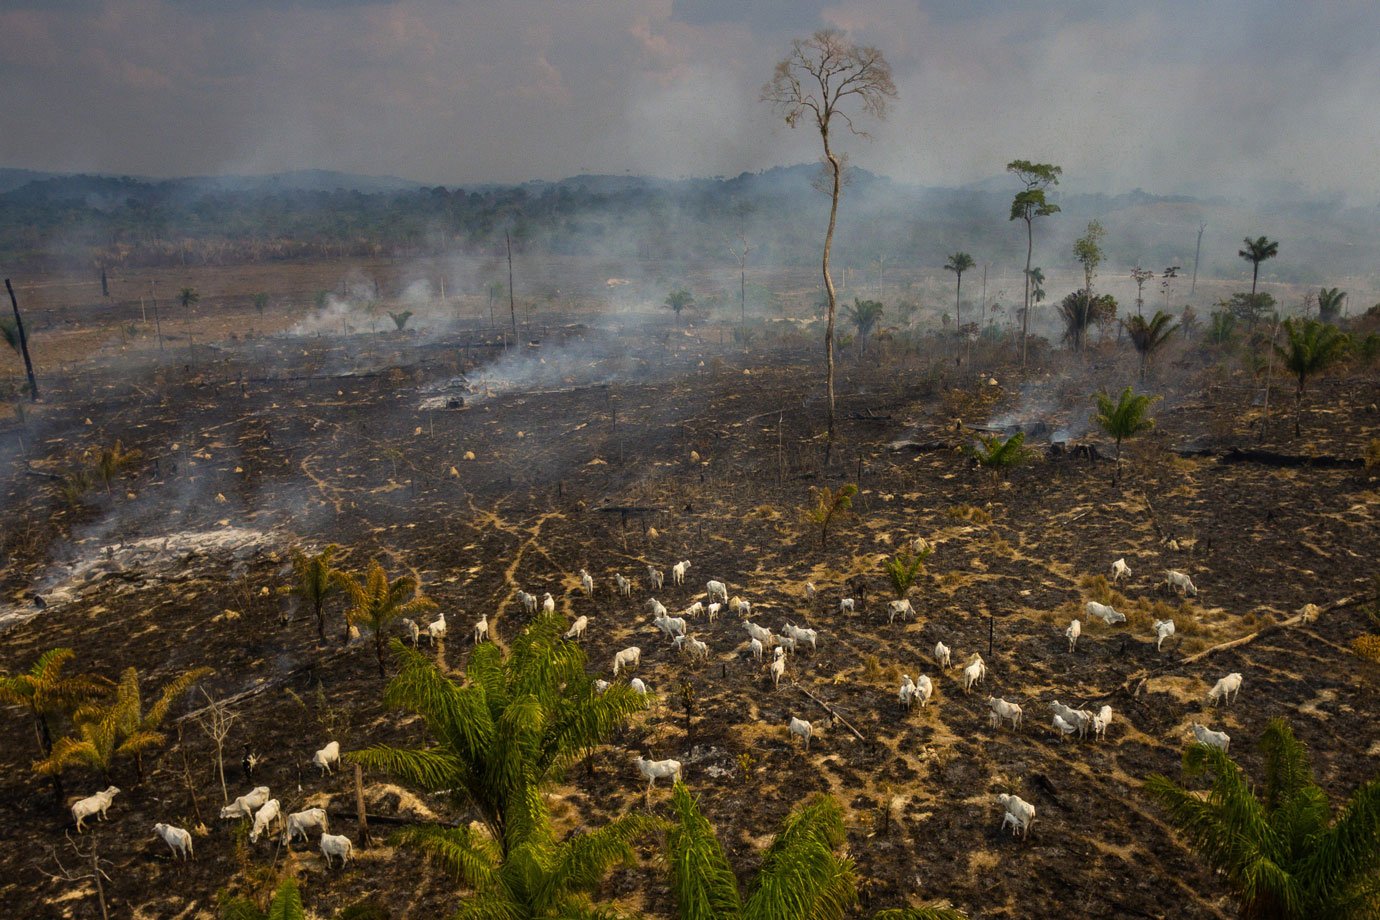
215 721
820 75
93 870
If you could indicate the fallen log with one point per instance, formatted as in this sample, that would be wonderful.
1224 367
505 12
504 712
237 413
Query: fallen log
832 712
921 447
1273 458
1136 682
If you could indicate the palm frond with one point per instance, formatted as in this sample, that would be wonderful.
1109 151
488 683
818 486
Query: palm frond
802 878
702 881
997 453
1287 770
172 690
583 860
1348 853
936 911
286 903
469 855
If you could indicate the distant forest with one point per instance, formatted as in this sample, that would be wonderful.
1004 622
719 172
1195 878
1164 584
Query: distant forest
54 222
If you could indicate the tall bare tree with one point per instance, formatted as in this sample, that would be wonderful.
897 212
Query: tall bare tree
823 76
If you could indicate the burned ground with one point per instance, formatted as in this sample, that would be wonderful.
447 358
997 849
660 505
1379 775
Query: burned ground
303 442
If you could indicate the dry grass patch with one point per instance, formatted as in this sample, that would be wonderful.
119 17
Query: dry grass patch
970 513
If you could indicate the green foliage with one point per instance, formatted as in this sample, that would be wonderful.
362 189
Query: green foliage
517 719
377 603
188 296
286 904
119 727
904 568
46 691
958 263
1281 848
110 461
400 319
74 485
1078 313
1330 304
1125 418
999 454
1258 250
1248 308
679 299
1149 336
260 302
1221 326
802 876
936 911
314 580
828 504
9 331
864 315
1087 249
1037 285
1310 347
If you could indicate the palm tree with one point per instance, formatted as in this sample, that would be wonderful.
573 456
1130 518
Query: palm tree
1284 852
122 727
1123 419
45 691
1310 347
828 505
314 581
959 263
400 319
904 568
1222 326
188 297
1330 304
285 905
1148 336
679 299
1037 285
532 875
864 315
110 461
517 720
1258 250
1077 311
377 603
999 455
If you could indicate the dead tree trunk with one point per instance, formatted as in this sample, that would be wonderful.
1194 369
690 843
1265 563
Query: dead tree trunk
23 343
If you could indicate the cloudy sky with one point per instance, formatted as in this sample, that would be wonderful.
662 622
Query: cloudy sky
1175 95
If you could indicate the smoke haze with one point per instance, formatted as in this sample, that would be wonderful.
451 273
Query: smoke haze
1231 98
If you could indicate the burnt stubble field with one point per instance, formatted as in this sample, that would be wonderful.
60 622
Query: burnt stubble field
250 448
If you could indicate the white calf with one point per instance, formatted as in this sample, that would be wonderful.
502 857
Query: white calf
265 818
1163 630
846 605
974 672
627 659
1179 583
1101 721
1120 570
300 822
655 578
901 608
778 667
1226 689
481 629
942 656
577 629
654 770
94 804
1104 613
336 846
1211 738
327 757
1072 633
924 689
678 571
624 584
801 729
175 837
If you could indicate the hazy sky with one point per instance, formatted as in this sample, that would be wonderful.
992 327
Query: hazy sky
1168 96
